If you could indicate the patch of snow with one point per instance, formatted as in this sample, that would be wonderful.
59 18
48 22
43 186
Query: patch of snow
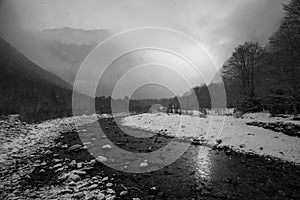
232 132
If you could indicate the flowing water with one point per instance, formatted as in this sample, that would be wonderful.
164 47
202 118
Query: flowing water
200 173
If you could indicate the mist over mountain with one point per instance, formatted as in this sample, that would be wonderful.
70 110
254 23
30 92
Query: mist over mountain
64 59
59 50
65 49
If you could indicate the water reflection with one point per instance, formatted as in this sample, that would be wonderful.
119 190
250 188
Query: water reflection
200 160
202 171
127 153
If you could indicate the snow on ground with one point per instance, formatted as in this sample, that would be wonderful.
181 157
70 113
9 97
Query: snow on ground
233 132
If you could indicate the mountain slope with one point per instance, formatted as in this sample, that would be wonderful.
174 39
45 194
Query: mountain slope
12 61
28 90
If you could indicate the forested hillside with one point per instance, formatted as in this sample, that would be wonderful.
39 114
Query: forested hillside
268 76
28 90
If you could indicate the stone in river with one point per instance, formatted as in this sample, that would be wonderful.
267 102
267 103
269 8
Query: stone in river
74 177
75 147
102 159
57 166
94 186
106 147
123 193
110 191
144 164
73 163
153 191
196 142
219 141
109 184
79 165
79 172
100 196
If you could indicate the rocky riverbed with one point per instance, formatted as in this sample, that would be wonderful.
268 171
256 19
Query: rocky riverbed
31 167
50 161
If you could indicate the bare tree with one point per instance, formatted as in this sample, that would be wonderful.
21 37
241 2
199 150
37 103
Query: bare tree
242 64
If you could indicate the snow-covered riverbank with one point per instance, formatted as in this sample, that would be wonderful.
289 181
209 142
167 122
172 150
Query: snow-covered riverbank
223 131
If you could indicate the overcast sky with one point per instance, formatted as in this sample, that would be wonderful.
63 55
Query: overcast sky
218 25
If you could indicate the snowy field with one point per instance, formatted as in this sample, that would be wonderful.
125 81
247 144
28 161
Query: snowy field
224 131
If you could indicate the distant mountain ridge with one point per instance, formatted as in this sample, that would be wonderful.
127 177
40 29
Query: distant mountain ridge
78 36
